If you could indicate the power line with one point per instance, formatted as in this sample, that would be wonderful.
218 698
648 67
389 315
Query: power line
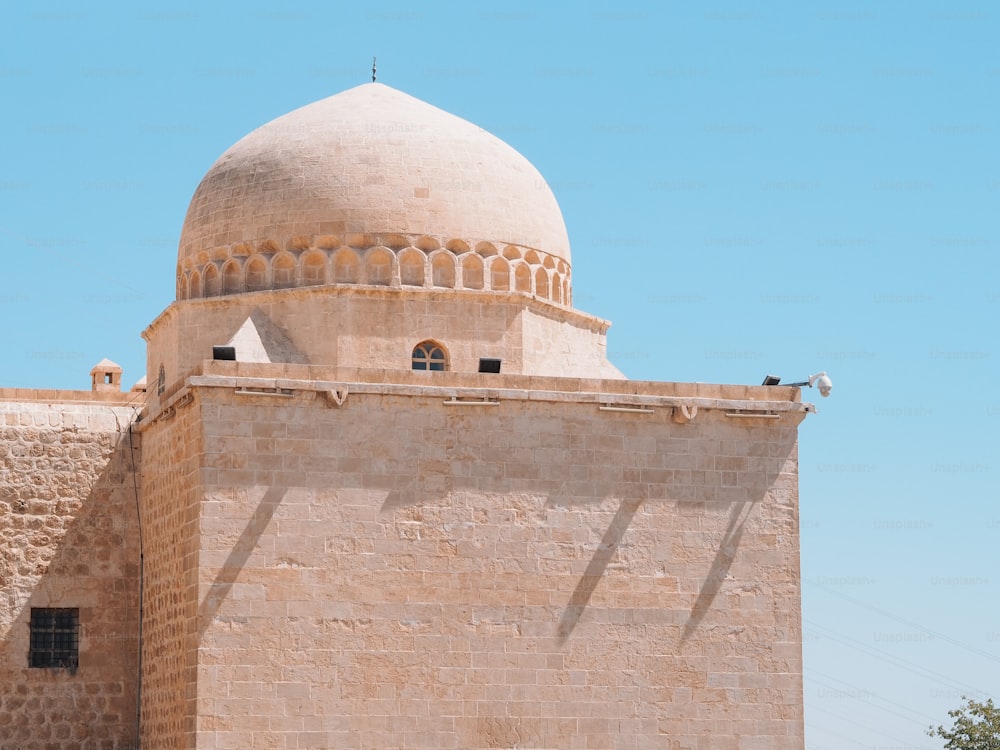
954 641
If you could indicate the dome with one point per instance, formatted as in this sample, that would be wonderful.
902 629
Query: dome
369 186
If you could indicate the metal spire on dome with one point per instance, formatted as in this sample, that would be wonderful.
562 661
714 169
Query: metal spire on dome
373 70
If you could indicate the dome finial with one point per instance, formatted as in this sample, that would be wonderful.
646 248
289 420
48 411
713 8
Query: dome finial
373 70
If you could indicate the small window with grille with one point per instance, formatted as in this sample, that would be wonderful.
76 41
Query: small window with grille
55 638
429 355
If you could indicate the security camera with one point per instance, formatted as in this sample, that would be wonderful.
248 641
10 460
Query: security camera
822 381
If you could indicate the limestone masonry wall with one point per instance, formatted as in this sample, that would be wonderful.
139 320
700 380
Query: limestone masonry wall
171 495
399 573
68 538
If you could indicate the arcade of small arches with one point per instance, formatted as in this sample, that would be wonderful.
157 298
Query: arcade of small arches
426 264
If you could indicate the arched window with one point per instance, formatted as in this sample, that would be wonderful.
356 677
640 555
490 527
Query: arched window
429 355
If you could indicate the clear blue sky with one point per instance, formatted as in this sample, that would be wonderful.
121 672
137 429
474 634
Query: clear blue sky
749 189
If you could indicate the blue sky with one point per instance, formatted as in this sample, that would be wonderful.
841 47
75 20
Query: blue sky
749 189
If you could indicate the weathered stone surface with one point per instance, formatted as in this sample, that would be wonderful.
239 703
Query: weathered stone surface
396 572
68 538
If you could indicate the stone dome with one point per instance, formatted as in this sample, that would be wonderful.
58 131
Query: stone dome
369 186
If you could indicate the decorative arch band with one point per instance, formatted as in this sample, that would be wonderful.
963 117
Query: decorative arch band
380 261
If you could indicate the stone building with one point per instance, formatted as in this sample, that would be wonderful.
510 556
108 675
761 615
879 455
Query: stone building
384 489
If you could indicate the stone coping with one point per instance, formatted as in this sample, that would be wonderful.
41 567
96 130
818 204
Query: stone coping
52 395
498 381
264 297
336 385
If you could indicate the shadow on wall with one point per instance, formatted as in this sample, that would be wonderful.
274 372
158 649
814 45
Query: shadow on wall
595 568
80 553
238 556
421 480
723 561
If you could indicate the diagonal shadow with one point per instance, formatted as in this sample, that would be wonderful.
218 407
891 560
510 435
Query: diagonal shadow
239 555
595 569
720 567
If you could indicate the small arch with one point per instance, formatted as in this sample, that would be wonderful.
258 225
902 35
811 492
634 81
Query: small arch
472 272
256 274
268 246
360 241
213 282
313 268
522 278
427 244
346 267
548 262
511 253
556 288
531 257
499 275
394 241
283 269
194 285
542 283
457 246
232 278
378 267
411 267
429 355
487 249
443 271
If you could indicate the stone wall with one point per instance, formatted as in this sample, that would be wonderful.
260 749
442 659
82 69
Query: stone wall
377 328
68 538
171 495
400 573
